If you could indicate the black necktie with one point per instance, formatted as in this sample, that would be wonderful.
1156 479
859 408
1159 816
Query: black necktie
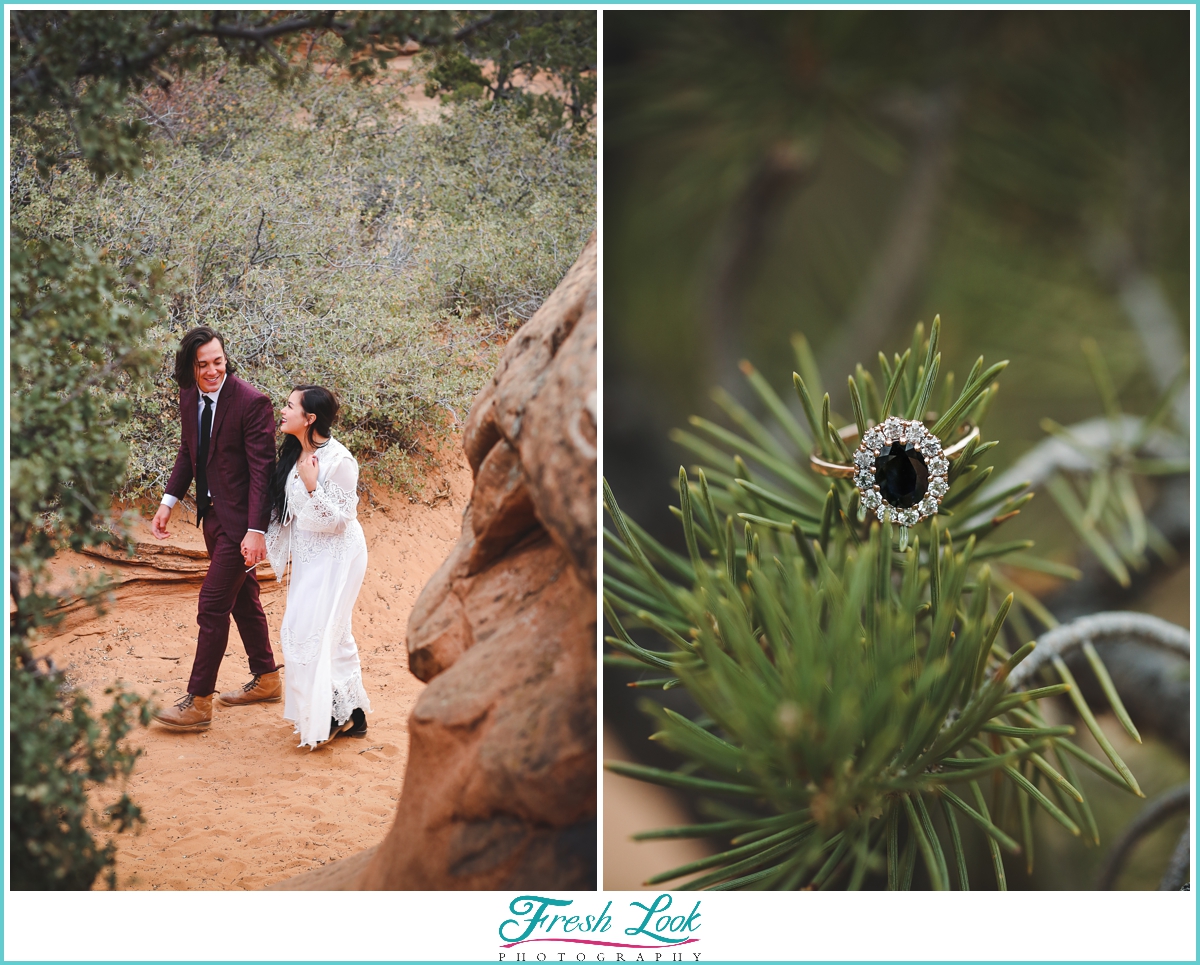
202 501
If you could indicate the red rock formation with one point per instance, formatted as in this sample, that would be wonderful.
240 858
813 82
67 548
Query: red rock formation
500 791
137 579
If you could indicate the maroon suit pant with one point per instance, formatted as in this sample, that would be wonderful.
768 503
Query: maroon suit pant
228 590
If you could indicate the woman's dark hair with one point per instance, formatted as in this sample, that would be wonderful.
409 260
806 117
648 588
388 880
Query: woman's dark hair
185 358
314 400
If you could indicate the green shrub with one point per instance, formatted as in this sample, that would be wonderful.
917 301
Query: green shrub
58 752
71 337
332 238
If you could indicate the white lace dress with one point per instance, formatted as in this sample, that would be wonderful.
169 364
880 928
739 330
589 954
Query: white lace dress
321 536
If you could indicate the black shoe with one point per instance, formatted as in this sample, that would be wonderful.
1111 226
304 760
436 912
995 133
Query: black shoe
356 726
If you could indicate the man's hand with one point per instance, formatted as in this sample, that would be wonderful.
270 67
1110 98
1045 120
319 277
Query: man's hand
254 548
158 525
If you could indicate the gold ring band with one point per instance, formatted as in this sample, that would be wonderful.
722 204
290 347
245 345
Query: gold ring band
846 433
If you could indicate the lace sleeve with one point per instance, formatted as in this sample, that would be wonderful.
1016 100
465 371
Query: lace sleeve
279 547
334 502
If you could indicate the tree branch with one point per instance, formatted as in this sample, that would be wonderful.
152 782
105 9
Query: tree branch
1122 625
1180 866
464 32
1166 805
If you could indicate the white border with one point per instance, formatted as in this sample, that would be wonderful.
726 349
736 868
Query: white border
734 926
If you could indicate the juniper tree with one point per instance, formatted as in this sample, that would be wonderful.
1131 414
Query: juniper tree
853 683
74 336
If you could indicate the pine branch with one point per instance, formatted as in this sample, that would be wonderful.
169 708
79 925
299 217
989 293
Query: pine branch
839 693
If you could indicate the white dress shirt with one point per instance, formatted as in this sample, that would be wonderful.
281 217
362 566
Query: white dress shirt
168 500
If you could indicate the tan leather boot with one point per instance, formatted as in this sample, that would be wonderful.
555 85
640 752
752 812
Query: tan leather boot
263 688
190 713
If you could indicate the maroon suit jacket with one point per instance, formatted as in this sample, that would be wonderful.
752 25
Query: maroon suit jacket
241 455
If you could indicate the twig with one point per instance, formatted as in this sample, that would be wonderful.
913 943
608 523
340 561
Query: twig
1179 870
1152 815
1099 626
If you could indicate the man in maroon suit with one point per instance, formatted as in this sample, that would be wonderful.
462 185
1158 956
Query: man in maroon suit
228 447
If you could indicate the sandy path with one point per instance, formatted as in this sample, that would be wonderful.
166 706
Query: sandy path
240 806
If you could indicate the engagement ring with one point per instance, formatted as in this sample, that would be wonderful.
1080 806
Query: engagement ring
899 469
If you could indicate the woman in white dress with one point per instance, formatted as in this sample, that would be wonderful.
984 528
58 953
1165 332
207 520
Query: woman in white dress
314 526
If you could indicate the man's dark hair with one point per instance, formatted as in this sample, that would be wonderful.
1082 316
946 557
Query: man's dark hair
185 358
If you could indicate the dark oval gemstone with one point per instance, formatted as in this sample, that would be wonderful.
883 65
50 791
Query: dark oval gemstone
901 474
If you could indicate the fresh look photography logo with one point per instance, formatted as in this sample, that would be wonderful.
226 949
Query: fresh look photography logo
544 929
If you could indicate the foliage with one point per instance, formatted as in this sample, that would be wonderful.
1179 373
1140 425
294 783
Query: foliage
456 76
1102 502
78 315
331 238
850 686
73 335
521 47
57 752
82 64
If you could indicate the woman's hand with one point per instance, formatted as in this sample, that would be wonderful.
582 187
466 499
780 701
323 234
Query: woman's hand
307 467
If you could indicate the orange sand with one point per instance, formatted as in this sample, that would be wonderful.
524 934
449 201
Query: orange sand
239 805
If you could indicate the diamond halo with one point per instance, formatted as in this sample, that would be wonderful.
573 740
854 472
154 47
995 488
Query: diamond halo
900 471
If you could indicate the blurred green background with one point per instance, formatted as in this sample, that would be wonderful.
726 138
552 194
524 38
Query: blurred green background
844 174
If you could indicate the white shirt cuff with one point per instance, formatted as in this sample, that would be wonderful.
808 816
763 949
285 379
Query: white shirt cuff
259 531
